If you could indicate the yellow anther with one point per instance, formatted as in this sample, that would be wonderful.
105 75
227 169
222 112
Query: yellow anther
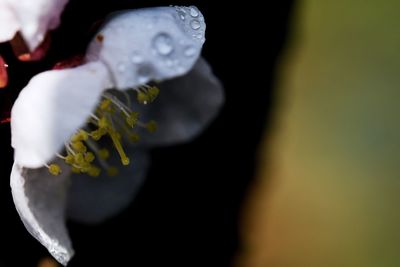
104 119
79 158
94 171
132 119
85 167
97 134
116 138
142 98
148 94
79 146
112 171
104 153
54 169
69 159
151 126
81 135
106 106
134 137
103 123
153 92
89 157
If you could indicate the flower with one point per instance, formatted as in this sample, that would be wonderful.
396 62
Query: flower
31 18
60 119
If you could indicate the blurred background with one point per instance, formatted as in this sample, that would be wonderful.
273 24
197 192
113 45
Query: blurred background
301 167
328 182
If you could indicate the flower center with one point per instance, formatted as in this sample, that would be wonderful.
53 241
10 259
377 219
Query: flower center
114 119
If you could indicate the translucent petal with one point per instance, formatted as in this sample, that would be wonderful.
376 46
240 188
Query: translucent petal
94 199
149 44
40 199
51 108
184 107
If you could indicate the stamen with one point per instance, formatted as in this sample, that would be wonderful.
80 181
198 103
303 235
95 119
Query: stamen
132 119
82 151
147 94
79 146
54 169
151 126
116 138
118 103
102 154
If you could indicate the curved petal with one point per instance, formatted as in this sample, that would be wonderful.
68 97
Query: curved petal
95 199
8 22
185 106
149 44
36 17
40 201
51 108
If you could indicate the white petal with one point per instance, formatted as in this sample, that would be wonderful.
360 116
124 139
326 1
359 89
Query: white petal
149 44
9 24
185 106
51 108
40 201
36 17
95 199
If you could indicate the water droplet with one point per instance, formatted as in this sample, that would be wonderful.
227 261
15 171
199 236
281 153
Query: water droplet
193 12
198 35
121 67
195 24
136 57
190 51
144 73
181 12
163 44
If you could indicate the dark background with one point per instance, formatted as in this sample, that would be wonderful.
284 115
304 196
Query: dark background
188 211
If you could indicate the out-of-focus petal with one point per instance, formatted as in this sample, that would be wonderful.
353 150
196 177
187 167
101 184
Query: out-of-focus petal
51 108
185 106
94 199
40 199
9 23
36 17
149 44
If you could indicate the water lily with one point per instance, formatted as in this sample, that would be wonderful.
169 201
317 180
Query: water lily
81 135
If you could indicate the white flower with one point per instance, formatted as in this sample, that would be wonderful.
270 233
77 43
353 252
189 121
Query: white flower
133 49
33 18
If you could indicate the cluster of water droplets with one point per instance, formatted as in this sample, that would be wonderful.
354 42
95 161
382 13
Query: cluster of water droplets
193 18
168 47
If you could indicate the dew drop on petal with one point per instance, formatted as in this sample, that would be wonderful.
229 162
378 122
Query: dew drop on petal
136 57
121 67
193 12
181 12
163 44
198 35
195 24
144 74
190 51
